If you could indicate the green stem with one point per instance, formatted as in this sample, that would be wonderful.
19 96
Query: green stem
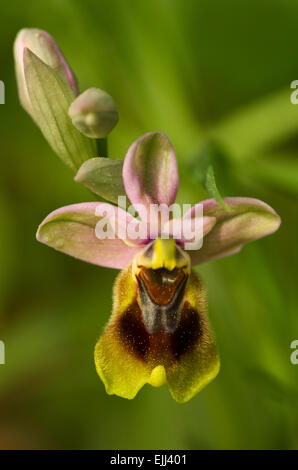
102 147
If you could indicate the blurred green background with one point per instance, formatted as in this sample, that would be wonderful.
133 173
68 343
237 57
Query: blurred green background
200 71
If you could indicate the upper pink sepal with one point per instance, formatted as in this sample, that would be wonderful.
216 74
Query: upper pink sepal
150 171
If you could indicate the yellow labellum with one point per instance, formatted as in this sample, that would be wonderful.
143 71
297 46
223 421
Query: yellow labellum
159 332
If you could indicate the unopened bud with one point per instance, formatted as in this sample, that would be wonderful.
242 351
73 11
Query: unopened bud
43 45
94 113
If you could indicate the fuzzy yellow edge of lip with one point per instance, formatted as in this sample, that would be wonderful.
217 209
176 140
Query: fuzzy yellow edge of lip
109 388
157 379
207 379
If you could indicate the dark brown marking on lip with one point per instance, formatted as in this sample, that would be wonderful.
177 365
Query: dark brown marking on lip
188 332
160 347
133 332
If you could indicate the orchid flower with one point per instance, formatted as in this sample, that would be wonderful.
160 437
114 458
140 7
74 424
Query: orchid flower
159 332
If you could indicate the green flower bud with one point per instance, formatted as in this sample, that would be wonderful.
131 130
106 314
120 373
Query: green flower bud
94 113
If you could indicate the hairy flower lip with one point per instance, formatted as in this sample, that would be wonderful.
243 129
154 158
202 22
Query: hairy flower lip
127 356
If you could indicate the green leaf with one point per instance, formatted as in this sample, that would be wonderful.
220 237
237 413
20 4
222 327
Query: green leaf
279 170
103 176
259 126
51 97
203 173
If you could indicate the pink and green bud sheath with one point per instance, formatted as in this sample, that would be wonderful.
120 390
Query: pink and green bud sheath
43 45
